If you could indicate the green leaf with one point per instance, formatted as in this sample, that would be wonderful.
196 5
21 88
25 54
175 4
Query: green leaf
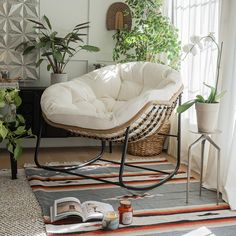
20 130
41 44
39 27
29 132
185 106
220 95
39 62
49 66
36 22
47 21
200 98
82 24
17 151
21 45
3 131
10 147
58 56
209 86
81 27
53 35
21 119
28 50
17 101
46 54
90 48
2 104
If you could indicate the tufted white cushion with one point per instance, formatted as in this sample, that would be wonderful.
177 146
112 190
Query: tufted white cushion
110 96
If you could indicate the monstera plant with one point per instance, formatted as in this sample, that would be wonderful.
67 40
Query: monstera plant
152 37
12 125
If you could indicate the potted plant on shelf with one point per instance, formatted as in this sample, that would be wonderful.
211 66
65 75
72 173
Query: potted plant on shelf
152 37
207 109
55 49
12 125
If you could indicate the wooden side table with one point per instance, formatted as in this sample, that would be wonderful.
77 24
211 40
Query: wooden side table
203 138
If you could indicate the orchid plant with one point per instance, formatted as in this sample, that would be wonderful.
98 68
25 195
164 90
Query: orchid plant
198 42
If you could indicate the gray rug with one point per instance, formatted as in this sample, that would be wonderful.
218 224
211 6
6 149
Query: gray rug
20 213
162 211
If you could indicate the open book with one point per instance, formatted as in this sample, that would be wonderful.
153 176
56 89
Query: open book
71 207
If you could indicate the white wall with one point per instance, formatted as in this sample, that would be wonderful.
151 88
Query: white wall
64 15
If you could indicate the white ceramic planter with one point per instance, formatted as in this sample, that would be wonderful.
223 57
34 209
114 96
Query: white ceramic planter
207 116
58 78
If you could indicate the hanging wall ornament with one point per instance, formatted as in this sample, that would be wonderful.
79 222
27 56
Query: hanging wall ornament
119 16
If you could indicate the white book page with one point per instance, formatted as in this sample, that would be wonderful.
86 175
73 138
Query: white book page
95 210
67 206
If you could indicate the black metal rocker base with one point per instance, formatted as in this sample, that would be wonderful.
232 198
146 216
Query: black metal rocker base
122 163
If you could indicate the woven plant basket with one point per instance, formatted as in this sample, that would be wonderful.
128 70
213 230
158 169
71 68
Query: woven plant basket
151 145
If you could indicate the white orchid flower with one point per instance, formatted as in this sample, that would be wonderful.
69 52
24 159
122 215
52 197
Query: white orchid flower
195 39
194 51
188 47
210 37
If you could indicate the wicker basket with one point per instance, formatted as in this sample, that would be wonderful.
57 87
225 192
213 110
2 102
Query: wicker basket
150 146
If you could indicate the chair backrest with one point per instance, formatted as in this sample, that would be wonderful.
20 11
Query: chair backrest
138 77
128 80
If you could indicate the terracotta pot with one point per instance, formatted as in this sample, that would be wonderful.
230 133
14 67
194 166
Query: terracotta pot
207 116
58 78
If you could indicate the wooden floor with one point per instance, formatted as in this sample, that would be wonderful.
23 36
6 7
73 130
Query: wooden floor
70 154
63 155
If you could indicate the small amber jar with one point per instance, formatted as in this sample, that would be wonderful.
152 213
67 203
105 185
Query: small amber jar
125 213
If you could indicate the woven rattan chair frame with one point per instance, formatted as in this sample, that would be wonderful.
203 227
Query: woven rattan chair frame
147 121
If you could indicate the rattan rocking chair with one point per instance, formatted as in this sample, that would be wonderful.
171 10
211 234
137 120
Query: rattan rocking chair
83 107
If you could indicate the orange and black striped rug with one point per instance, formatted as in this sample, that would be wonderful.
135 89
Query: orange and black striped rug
161 211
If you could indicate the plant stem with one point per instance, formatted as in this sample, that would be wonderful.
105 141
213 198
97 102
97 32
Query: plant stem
218 65
51 63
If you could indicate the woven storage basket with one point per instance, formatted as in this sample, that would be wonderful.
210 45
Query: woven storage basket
151 145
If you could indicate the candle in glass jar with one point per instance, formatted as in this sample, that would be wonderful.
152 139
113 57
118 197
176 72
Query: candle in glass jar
110 220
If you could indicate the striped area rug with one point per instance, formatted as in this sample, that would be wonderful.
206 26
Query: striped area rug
161 211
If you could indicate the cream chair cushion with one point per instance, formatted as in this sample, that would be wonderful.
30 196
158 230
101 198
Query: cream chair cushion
110 96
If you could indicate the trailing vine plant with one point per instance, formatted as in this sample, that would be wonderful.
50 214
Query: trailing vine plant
152 37
12 125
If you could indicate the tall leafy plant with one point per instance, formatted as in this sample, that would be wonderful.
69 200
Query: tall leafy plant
152 37
12 125
55 49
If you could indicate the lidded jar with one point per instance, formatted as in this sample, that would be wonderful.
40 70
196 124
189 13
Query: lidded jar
125 212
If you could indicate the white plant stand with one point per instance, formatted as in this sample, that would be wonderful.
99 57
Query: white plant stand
203 138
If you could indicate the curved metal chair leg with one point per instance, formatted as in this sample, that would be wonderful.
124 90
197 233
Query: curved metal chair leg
64 168
145 188
159 182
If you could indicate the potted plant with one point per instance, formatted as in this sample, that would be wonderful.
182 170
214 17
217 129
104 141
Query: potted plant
55 49
206 108
152 37
12 125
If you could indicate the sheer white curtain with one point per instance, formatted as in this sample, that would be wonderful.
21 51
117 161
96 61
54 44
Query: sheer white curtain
227 115
194 17
198 17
